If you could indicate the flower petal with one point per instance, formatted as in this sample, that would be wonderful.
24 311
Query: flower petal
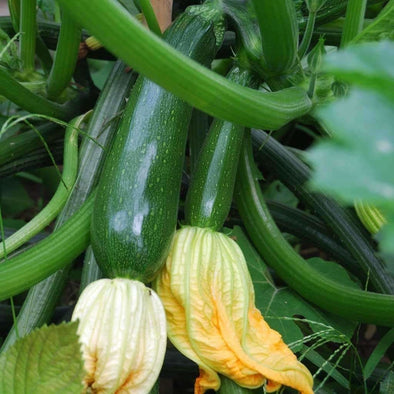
122 329
208 296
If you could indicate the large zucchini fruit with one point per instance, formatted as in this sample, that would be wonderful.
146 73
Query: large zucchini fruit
135 212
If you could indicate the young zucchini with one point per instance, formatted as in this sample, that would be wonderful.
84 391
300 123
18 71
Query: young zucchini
136 209
210 193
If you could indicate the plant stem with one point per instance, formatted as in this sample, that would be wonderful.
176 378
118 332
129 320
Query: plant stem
45 217
43 297
307 37
14 8
24 98
345 301
354 19
56 251
65 57
189 80
28 30
150 16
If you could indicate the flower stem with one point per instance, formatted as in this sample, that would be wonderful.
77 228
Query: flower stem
28 30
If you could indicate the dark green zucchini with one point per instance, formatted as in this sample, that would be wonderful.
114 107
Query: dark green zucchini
351 303
295 175
210 192
135 213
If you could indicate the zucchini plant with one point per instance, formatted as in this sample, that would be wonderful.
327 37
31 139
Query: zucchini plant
225 182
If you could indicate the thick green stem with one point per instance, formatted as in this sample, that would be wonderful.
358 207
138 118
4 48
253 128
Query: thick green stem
28 30
344 301
90 271
65 57
45 217
56 251
354 20
24 98
279 33
212 93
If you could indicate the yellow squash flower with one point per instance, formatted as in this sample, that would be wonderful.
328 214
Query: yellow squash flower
122 329
208 296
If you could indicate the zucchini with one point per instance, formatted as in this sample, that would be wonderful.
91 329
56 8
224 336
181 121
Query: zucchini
201 87
19 145
350 303
210 193
295 174
38 158
135 213
41 300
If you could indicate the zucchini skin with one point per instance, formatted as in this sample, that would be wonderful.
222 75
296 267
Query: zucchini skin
210 193
350 303
295 174
135 212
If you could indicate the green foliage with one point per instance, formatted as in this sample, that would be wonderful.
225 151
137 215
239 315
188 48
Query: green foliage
46 361
14 198
387 386
386 341
277 191
382 28
357 162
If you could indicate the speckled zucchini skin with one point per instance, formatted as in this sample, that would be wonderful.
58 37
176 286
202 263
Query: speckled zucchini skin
210 193
136 208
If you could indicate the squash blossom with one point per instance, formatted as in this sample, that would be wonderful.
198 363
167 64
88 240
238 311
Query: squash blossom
122 329
208 296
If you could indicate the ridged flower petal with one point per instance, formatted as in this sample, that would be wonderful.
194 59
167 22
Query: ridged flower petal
122 329
208 296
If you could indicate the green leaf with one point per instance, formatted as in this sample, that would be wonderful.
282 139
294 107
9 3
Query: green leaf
387 386
277 191
367 65
14 198
382 28
333 271
357 162
46 361
282 307
385 342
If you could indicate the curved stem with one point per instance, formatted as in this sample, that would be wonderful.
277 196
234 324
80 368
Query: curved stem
180 75
14 8
56 251
42 298
295 175
65 57
307 37
45 217
24 98
342 300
